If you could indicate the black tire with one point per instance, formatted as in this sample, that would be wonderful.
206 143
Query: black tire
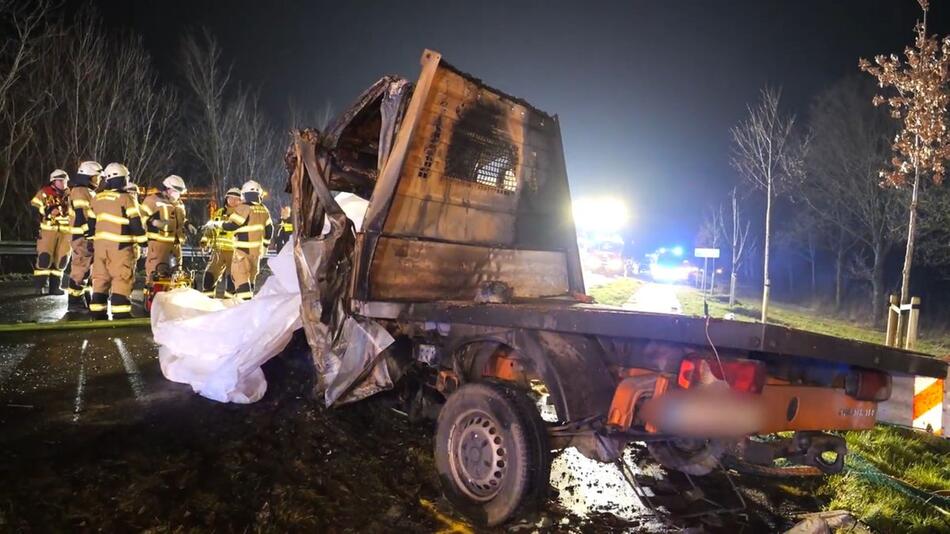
506 466
690 456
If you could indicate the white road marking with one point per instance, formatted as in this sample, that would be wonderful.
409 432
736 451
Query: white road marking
131 371
80 381
10 358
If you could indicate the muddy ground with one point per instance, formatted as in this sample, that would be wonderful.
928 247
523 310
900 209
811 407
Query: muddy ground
93 438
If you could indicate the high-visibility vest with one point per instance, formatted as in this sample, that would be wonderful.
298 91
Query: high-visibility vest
252 226
171 216
112 214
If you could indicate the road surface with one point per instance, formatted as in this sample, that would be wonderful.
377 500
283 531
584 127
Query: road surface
94 438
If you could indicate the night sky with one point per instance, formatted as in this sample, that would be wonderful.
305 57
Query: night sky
646 91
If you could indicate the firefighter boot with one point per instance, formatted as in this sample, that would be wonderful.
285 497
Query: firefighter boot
39 284
98 305
76 300
121 307
55 285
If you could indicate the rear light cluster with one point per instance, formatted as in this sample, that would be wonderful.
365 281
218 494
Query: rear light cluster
746 376
868 385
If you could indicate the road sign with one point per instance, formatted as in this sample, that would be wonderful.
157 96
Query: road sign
706 253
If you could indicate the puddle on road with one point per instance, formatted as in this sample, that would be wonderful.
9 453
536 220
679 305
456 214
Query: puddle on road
10 358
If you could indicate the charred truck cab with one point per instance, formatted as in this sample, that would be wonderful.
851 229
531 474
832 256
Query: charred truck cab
464 277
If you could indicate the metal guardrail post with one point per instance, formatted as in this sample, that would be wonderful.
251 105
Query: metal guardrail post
893 321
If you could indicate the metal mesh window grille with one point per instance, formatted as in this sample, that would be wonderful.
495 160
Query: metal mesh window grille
488 161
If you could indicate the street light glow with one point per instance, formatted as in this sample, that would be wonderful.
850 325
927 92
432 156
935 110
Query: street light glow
600 214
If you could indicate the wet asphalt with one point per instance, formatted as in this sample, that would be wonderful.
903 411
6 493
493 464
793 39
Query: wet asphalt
92 437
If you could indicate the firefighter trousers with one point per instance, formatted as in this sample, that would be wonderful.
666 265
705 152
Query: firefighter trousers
158 258
112 273
79 268
52 255
244 267
219 264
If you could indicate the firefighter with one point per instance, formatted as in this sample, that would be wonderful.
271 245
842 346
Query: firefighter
115 223
253 230
133 191
221 244
82 189
52 243
285 229
164 214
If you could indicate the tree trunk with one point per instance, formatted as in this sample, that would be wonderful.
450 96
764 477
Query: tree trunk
877 286
839 269
911 230
732 287
765 263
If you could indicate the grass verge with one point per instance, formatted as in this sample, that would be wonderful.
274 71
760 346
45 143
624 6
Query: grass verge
617 292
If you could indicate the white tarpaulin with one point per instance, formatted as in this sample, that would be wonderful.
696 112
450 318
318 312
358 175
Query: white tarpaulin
218 346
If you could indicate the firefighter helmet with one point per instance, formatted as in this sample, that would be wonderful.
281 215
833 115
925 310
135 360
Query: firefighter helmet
90 168
115 170
251 186
58 174
233 192
175 182
116 176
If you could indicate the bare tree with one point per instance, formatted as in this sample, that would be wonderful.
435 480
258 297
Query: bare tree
736 233
922 145
207 80
769 155
851 141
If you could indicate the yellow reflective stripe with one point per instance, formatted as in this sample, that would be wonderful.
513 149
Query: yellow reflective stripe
55 272
108 217
79 230
90 213
115 238
75 292
250 228
122 308
208 293
41 272
247 244
244 295
132 212
97 307
148 211
288 227
159 237
80 203
46 226
236 219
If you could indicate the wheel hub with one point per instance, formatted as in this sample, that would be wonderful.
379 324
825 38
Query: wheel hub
478 459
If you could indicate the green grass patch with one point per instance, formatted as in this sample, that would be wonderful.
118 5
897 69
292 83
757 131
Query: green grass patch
802 318
616 292
890 476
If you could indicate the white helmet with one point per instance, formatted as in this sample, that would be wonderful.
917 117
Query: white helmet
251 186
90 168
175 182
58 174
115 170
233 192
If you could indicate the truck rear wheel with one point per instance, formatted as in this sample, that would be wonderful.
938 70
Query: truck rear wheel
492 453
691 456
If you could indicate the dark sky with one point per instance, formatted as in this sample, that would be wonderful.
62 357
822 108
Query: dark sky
646 91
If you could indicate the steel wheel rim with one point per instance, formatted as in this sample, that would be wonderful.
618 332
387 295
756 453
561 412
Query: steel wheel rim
478 458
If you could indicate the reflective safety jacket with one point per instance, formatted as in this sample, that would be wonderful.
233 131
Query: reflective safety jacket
114 216
170 217
252 227
223 240
287 226
80 204
47 199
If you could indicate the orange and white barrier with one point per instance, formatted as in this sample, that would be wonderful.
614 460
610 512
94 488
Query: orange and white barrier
929 404
918 402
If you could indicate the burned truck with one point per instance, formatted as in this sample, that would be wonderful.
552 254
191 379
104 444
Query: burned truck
463 278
